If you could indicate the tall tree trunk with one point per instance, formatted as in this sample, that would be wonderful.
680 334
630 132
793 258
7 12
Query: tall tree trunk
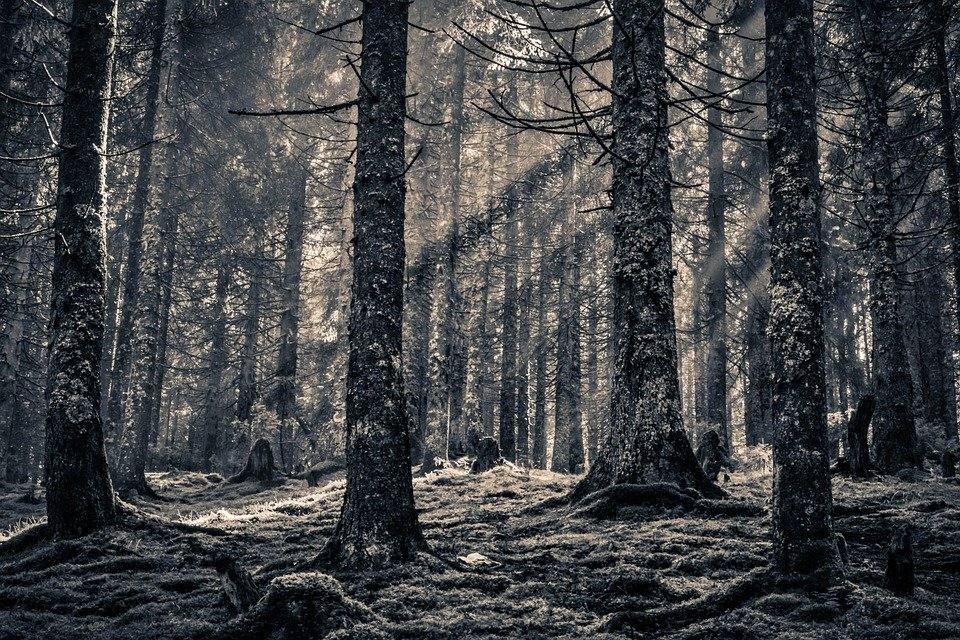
647 442
290 316
593 364
568 442
212 416
894 433
941 22
485 378
79 494
247 391
135 334
716 264
378 523
129 305
523 344
538 456
803 541
508 342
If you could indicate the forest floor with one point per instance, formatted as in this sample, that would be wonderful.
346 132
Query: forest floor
542 571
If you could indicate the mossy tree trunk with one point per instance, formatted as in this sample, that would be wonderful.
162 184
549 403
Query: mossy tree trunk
378 523
646 442
803 541
80 496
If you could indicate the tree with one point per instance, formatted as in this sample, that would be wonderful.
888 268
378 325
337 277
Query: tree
80 496
803 541
646 442
378 523
894 434
130 472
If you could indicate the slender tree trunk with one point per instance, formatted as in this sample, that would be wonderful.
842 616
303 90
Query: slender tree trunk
593 362
485 379
79 494
508 354
290 316
378 523
129 305
894 434
716 264
647 441
568 443
803 541
538 456
248 391
523 345
135 334
941 22
212 416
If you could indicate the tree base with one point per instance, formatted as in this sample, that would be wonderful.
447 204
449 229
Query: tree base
611 502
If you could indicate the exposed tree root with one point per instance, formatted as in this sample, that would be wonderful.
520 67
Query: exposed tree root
608 502
25 540
730 596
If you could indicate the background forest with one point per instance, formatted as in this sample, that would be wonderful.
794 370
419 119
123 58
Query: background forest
582 247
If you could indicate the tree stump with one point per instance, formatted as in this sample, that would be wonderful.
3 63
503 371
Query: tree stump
303 606
711 455
238 585
948 464
858 450
488 455
260 465
900 574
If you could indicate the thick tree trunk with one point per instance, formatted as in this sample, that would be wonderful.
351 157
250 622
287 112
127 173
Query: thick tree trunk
290 316
79 494
647 442
803 540
378 523
894 433
716 263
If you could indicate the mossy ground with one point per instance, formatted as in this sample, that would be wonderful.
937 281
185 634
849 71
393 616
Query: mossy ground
550 575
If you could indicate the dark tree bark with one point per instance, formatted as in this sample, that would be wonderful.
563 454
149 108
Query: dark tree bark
592 344
212 415
804 544
647 442
716 263
260 465
136 335
538 450
248 389
568 434
290 316
523 344
378 522
858 449
900 569
80 497
894 433
130 303
508 342
941 22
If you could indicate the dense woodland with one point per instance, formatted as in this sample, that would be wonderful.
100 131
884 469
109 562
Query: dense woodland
479 319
